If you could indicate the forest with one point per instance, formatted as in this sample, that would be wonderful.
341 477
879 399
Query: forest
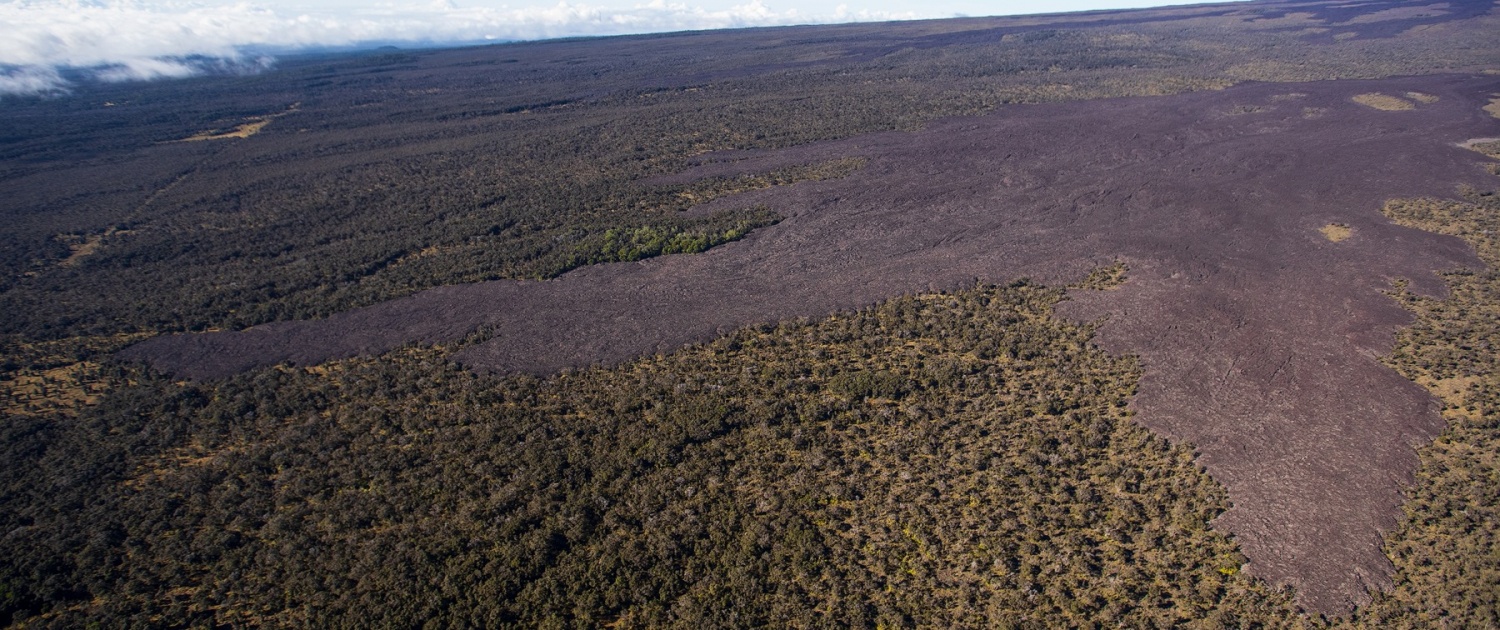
957 458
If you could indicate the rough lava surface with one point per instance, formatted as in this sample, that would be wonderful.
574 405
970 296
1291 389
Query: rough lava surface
1260 338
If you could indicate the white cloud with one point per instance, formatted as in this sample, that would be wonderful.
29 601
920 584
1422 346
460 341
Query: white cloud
31 80
131 39
42 42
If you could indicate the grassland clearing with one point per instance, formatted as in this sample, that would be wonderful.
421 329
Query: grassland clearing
1383 102
1336 232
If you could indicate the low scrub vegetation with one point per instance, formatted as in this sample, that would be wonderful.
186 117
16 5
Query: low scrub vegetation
939 460
1447 552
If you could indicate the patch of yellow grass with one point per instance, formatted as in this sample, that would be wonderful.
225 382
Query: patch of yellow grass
1487 146
1336 232
36 392
1494 107
50 380
243 131
1107 278
1383 102
1421 98
1453 392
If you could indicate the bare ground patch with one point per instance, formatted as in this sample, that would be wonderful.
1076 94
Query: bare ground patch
79 248
83 246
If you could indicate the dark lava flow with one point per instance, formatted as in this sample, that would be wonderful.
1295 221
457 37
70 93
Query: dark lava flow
1259 337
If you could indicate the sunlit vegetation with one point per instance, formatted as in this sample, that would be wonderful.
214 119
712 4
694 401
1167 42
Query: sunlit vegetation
1490 147
623 245
1104 278
58 377
1384 102
1447 551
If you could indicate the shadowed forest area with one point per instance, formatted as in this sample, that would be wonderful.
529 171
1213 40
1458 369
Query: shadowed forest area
949 459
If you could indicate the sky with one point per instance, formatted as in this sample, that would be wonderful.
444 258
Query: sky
46 45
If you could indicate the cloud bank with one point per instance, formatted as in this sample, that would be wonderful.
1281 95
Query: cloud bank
48 43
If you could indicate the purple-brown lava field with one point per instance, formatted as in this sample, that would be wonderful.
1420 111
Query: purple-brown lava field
1260 338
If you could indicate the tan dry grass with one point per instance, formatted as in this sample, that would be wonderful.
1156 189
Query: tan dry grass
50 380
1487 146
243 131
48 390
1494 107
1336 232
1421 98
1453 392
1106 278
1383 102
